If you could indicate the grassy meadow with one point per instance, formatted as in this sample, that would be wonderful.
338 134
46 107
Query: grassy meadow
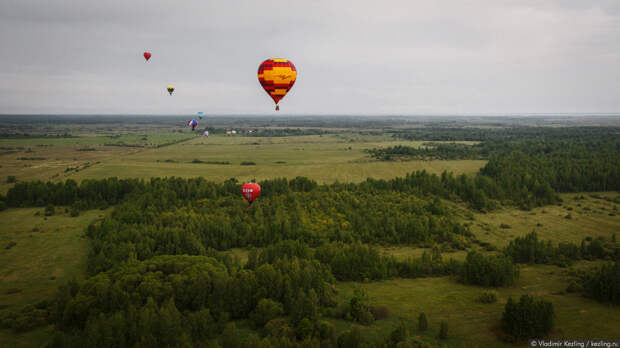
474 324
61 158
324 158
48 251
578 217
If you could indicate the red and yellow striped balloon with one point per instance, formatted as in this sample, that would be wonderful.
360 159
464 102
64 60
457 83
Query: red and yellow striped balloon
277 76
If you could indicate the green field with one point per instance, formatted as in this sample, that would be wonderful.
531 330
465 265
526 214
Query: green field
326 158
49 250
589 217
472 323
61 158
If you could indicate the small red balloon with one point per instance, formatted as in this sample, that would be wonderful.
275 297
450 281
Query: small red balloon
147 55
250 191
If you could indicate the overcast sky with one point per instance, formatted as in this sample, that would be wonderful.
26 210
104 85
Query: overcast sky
353 57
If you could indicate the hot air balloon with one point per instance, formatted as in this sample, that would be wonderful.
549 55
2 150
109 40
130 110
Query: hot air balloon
170 89
147 55
250 191
200 113
277 76
192 123
205 134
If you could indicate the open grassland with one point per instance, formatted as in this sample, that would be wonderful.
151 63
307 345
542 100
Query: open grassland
405 252
48 251
36 338
473 324
61 158
571 221
325 158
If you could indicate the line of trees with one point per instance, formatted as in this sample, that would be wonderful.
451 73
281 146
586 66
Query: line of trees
529 249
526 166
442 151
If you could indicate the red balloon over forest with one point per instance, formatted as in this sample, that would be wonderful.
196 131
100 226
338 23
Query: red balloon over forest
147 55
250 191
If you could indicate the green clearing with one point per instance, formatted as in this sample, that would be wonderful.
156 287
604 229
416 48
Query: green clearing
50 250
404 252
472 323
35 338
590 217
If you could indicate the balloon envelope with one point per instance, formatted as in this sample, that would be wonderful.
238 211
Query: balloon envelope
147 55
250 191
277 76
192 123
170 89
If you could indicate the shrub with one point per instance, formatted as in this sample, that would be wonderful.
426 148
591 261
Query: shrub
49 210
358 308
604 284
488 270
10 245
422 322
248 163
573 286
304 329
505 226
266 310
528 318
326 331
11 179
352 338
279 328
400 333
489 296
443 330
381 312
75 210
26 318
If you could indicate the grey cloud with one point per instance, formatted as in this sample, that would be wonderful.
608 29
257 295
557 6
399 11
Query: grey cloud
368 57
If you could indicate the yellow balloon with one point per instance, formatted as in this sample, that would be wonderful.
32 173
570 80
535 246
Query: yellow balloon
170 89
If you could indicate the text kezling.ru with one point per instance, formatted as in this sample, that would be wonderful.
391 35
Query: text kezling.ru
575 343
